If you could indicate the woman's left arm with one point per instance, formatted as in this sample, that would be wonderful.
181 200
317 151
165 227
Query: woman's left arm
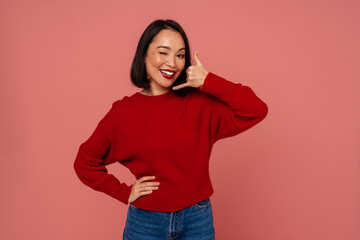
239 108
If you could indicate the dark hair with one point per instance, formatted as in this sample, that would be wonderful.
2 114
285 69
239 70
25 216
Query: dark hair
138 72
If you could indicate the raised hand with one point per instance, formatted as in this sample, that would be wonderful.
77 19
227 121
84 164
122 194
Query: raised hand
196 74
141 188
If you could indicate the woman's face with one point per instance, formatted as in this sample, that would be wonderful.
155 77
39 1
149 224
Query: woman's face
166 52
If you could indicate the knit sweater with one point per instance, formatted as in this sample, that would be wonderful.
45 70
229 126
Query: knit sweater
169 137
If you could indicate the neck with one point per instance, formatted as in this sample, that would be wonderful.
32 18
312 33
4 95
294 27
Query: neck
155 91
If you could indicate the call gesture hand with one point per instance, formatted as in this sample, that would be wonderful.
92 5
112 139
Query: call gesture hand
196 75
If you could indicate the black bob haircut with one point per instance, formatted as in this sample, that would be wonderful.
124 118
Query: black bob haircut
138 72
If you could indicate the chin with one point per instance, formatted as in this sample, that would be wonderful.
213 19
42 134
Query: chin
167 84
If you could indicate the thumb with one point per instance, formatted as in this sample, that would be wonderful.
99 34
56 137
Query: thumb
196 59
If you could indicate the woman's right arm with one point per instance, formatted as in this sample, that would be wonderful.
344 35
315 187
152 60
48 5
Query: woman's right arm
90 162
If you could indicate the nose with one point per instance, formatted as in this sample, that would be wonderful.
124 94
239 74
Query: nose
171 61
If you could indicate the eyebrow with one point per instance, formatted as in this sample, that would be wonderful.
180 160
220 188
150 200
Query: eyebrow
169 48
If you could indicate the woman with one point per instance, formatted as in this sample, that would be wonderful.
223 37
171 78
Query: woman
164 135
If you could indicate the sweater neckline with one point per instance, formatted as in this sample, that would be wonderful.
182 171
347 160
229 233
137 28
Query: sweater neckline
155 98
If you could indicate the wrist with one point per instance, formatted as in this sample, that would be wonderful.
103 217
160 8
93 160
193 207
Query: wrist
203 81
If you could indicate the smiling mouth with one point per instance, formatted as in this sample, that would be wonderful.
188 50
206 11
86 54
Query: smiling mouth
167 74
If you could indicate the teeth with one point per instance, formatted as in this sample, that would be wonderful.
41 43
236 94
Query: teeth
167 73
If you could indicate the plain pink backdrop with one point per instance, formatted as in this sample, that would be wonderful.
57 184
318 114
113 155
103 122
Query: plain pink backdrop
294 176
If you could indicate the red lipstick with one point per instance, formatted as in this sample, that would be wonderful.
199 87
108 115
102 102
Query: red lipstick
167 76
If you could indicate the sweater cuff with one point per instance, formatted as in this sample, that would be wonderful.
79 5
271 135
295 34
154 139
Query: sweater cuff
124 195
207 76
213 83
221 88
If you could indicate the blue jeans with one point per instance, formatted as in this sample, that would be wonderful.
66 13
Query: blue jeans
191 223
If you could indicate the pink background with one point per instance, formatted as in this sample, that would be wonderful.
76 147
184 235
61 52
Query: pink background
295 176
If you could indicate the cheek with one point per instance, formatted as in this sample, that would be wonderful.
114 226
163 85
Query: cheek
180 62
182 66
154 62
158 60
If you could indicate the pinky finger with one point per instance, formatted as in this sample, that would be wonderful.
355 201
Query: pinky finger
146 192
180 86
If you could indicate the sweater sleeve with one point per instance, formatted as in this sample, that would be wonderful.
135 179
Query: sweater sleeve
234 109
92 158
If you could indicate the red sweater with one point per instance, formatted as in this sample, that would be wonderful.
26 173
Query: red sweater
167 136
